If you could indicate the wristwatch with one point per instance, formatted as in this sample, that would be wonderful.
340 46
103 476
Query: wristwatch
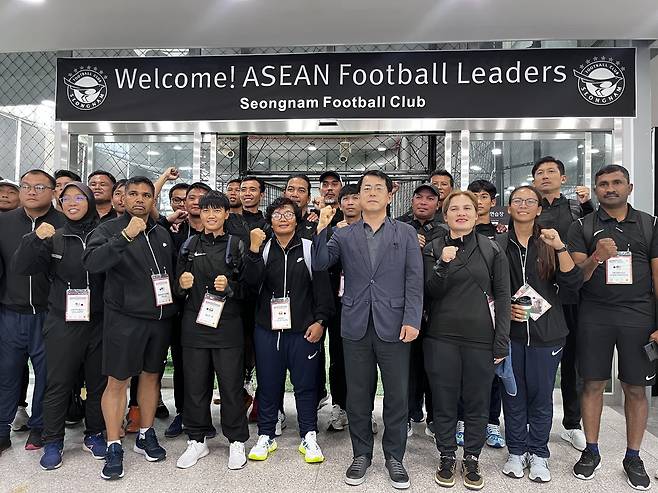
563 249
321 322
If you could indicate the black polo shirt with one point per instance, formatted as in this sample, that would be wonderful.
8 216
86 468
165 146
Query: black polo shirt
488 230
631 304
558 215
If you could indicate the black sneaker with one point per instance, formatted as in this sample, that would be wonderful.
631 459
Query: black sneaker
5 443
76 410
113 468
161 412
636 476
397 474
587 466
473 479
356 473
445 474
149 447
34 440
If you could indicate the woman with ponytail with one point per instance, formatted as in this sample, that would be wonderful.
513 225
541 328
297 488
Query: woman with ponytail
540 267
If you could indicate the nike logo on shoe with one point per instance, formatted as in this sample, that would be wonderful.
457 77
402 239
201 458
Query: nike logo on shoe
311 356
651 377
299 259
557 352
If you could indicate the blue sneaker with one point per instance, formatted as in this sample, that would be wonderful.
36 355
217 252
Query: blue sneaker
175 428
459 434
113 462
149 447
494 438
52 455
95 444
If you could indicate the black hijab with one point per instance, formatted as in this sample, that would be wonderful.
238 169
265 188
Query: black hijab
91 218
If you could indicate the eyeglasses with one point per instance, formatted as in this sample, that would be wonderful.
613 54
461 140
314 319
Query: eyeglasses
288 215
68 199
529 202
376 188
38 189
177 200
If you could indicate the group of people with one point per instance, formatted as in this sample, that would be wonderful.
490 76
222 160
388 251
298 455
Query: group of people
461 318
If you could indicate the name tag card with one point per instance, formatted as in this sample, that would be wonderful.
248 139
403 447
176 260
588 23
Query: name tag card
211 310
539 303
280 309
162 289
619 269
78 304
492 309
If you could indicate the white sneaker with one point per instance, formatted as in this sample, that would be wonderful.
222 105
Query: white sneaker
195 451
236 458
539 471
20 420
375 428
515 466
280 424
263 448
310 448
338 420
576 438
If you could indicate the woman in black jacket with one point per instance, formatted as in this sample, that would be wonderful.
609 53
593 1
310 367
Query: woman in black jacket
294 303
209 274
466 280
540 266
73 328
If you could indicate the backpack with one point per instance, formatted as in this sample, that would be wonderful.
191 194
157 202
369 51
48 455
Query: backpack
575 209
306 246
232 252
647 223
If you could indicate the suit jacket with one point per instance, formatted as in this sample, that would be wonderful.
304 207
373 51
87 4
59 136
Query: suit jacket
393 290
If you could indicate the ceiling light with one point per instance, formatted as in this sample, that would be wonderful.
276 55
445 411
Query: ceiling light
594 150
260 162
312 148
185 168
34 1
476 168
381 148
152 153
574 159
177 148
580 146
496 151
320 163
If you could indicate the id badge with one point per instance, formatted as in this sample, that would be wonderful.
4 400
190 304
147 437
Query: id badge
78 302
619 269
280 308
492 310
341 286
211 310
162 289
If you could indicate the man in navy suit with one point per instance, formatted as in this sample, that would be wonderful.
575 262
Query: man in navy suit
382 305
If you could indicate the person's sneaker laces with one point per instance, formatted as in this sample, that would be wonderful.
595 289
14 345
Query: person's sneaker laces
52 456
195 451
515 466
397 474
280 424
113 468
575 437
20 420
263 448
149 446
310 448
175 428
445 473
459 434
34 440
636 475
539 471
236 456
473 479
356 473
494 438
338 419
587 465
95 444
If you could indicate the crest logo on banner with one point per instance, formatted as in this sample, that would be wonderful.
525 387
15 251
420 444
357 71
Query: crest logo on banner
601 81
86 87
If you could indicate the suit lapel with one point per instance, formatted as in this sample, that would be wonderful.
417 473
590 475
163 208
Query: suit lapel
385 243
359 236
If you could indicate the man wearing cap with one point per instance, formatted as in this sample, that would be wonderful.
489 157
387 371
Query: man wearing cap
330 186
9 195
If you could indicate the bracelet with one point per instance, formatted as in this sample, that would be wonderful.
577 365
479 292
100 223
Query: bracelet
563 249
125 235
595 257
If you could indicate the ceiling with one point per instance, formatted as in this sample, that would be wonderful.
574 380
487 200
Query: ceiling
37 25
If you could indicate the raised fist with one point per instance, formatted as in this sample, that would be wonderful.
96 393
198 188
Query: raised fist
257 237
583 194
44 231
135 226
326 215
605 248
170 174
552 238
186 280
449 253
221 282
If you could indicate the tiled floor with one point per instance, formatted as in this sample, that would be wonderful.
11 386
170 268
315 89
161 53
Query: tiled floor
286 470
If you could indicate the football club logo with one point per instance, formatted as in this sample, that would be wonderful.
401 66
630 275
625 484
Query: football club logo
86 87
601 81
